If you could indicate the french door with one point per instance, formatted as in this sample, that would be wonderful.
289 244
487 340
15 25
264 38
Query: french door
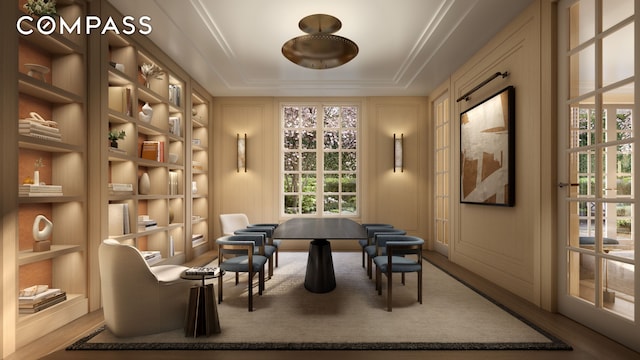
442 174
597 64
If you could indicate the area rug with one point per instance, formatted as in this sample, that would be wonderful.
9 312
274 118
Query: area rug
452 316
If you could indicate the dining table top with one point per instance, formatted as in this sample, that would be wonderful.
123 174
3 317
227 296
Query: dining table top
320 228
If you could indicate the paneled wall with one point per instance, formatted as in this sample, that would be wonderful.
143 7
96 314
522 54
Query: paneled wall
397 198
513 246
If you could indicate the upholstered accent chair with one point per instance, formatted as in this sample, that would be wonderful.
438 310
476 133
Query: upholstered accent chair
236 223
242 254
403 255
138 299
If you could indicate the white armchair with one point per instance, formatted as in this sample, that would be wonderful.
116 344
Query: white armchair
138 299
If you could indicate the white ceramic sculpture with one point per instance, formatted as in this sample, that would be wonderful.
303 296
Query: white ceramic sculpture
146 114
45 233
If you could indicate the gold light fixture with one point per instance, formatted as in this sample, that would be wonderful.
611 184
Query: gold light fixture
320 49
242 153
397 153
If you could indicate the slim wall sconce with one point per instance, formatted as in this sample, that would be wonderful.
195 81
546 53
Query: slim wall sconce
397 153
242 153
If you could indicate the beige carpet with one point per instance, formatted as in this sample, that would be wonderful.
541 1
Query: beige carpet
353 316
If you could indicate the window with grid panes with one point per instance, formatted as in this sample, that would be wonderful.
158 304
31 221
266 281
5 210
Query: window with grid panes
319 160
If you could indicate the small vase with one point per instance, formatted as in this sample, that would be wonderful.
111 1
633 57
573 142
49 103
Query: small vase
194 187
144 185
36 177
114 144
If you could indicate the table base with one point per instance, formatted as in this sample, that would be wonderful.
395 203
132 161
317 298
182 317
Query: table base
320 277
202 314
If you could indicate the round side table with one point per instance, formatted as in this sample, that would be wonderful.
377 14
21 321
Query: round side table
202 312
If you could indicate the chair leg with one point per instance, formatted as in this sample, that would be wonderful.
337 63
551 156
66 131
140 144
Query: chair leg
271 266
237 279
389 289
403 282
250 284
420 286
363 253
220 289
277 251
379 281
369 267
261 281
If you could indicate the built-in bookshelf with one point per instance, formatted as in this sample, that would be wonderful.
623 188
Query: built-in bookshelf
148 164
52 173
200 202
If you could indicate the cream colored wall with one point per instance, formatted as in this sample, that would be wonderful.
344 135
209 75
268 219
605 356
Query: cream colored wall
400 198
513 246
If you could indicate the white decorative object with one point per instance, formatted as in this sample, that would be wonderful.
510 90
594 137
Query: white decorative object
145 184
36 177
173 158
45 233
194 187
146 114
41 236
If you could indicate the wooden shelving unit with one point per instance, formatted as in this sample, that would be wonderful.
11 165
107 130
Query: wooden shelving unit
59 96
75 94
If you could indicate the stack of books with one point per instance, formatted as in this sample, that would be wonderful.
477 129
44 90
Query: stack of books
144 223
38 130
120 189
40 301
31 190
197 239
151 256
203 270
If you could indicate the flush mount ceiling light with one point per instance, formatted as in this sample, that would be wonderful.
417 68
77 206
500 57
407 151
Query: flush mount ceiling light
320 49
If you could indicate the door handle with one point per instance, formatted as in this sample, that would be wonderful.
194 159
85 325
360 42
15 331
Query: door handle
563 185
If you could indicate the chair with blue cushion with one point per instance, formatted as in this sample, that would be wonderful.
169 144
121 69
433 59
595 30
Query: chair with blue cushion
371 250
268 250
231 223
365 242
236 253
403 255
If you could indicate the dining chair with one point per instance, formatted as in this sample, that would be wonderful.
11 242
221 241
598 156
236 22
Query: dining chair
371 249
365 242
403 255
268 250
230 223
236 253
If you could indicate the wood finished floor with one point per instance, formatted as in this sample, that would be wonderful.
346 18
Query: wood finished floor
586 343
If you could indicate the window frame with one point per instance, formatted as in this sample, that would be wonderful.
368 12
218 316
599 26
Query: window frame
320 152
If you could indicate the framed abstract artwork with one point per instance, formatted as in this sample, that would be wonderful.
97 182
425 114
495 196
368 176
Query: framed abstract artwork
487 151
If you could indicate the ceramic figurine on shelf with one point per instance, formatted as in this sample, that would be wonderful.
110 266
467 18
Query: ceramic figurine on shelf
146 114
42 235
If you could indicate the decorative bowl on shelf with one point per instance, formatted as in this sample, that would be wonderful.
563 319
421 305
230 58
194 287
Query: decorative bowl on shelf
37 71
173 158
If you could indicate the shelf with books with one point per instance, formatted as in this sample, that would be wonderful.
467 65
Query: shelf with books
52 172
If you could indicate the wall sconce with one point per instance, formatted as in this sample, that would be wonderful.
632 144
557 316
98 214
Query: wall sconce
397 152
242 153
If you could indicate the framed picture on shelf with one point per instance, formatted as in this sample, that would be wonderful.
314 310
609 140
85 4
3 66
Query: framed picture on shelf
487 151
